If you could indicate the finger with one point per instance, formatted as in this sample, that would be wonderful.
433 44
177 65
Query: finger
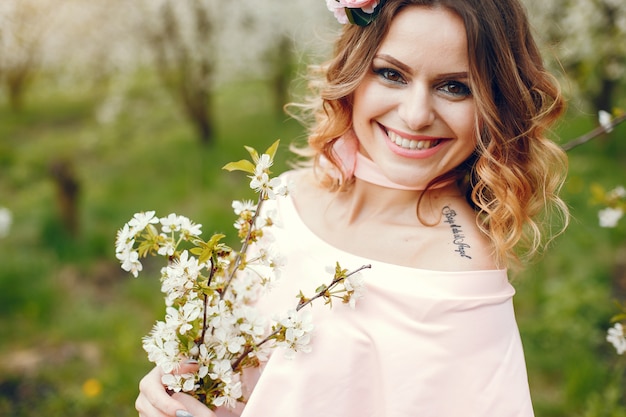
195 407
188 366
146 409
153 399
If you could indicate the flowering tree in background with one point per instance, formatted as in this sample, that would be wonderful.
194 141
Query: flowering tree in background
57 39
195 47
182 36
22 30
613 204
584 39
198 45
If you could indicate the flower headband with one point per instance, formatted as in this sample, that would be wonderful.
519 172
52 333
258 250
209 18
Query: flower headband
357 12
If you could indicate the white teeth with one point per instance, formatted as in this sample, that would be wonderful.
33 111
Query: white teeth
411 144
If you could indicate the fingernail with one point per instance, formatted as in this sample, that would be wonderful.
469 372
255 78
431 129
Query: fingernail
191 362
183 413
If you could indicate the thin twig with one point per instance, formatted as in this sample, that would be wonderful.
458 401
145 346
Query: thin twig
334 282
246 242
594 133
301 305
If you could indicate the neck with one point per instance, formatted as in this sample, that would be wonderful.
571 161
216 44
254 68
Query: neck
366 170
369 201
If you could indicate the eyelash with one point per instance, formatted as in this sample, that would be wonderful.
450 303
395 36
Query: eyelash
385 74
465 90
388 75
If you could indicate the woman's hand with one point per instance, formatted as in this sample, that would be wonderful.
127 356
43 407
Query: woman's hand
154 401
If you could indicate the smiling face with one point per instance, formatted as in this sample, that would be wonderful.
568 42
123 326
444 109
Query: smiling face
414 113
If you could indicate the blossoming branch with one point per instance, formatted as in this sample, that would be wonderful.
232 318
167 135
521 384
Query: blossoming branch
210 290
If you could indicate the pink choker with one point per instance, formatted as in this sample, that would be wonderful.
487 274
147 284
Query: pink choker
365 169
354 163
358 165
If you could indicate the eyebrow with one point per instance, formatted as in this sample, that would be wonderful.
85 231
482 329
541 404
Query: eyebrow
406 68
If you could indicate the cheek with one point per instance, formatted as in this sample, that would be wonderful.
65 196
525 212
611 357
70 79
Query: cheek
369 100
463 122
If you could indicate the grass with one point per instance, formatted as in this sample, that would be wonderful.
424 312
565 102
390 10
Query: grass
71 320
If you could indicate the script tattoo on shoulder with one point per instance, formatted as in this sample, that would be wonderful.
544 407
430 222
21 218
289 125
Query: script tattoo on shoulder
457 233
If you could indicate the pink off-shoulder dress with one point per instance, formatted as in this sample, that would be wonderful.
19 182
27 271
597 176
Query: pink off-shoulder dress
420 343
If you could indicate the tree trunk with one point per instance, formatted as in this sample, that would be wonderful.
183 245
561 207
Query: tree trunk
16 82
604 99
68 191
200 115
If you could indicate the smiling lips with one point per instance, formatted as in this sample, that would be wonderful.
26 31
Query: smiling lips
412 144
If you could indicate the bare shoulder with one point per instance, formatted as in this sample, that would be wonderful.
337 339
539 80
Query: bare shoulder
305 188
451 241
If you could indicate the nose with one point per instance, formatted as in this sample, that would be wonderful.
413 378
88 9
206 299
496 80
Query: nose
416 108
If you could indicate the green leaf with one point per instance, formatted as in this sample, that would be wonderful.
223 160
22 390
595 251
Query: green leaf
207 250
196 251
359 17
215 239
243 165
618 317
321 288
271 151
253 153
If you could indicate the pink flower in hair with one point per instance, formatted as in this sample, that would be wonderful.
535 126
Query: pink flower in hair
338 10
359 12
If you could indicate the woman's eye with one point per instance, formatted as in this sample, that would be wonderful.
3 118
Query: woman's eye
456 89
390 75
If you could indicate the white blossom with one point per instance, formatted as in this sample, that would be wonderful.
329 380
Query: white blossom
167 248
252 323
143 219
130 262
188 228
125 239
298 328
241 206
609 216
355 286
162 347
221 370
605 118
171 223
263 164
186 265
245 286
6 218
269 187
615 335
179 277
183 317
179 382
220 315
224 341
231 393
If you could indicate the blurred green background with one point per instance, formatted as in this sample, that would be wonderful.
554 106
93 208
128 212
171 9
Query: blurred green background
79 155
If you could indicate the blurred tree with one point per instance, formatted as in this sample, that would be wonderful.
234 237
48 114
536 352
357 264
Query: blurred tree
182 37
198 44
587 40
68 194
282 71
22 29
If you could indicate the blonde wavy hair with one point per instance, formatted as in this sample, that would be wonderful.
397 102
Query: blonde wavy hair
515 174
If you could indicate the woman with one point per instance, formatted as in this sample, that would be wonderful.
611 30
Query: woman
429 162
